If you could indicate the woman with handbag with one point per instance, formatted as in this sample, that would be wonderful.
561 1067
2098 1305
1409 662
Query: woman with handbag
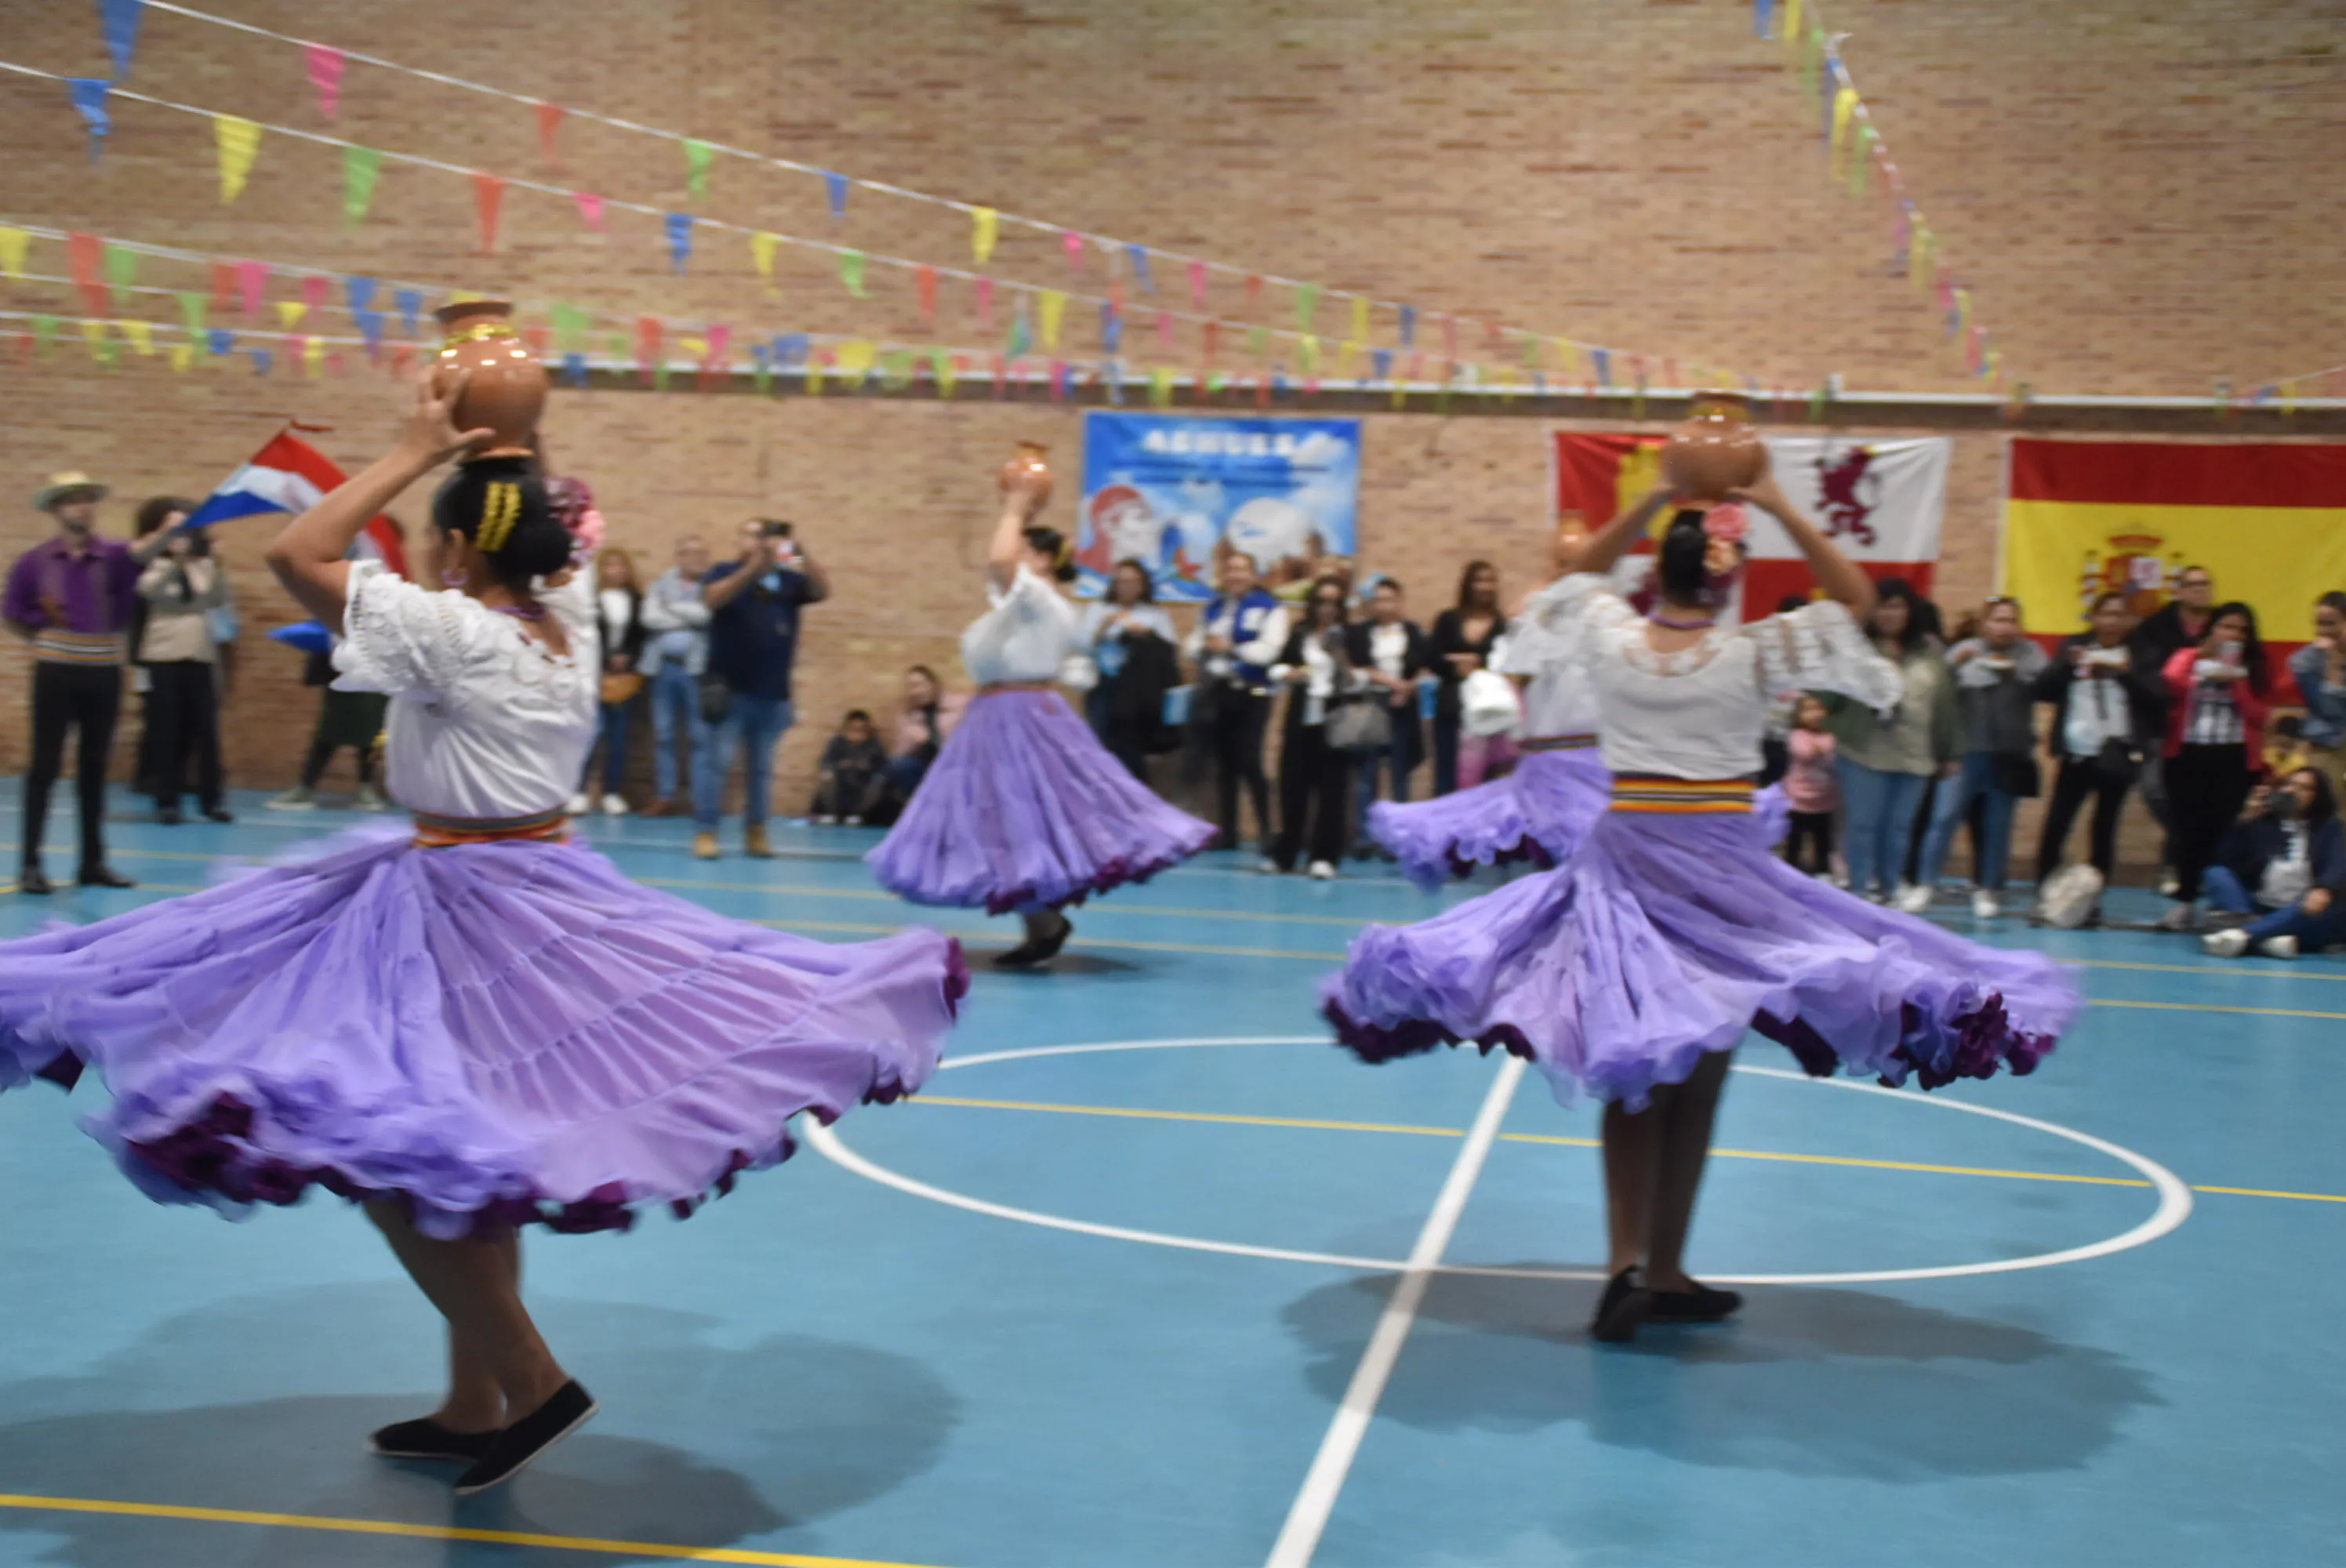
1323 694
1465 637
1996 700
2104 707
619 616
2215 746
185 592
1130 640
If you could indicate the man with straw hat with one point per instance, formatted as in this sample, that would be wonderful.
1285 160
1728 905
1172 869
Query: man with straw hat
71 598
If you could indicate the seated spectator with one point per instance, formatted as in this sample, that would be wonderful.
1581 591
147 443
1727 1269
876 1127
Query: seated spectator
852 774
2319 670
927 716
2282 865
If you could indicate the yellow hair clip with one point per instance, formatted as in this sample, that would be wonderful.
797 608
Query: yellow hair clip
500 510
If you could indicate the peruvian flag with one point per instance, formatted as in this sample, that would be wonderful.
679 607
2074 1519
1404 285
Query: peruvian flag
1880 501
290 475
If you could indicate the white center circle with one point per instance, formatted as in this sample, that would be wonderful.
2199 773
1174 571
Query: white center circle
2174 1206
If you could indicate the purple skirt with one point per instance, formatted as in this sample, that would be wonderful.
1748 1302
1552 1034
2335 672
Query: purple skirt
1025 810
1540 813
491 1034
1665 937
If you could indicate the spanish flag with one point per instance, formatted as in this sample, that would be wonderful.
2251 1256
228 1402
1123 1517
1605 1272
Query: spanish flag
2082 517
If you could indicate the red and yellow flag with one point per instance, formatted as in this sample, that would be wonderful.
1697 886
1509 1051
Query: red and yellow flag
2267 519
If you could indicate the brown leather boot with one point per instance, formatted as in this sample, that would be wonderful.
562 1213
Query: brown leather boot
754 844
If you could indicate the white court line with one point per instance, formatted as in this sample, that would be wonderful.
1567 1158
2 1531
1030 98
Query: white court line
1308 1516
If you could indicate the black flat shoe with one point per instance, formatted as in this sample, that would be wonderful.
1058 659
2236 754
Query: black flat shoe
168 815
1048 948
517 1447
1699 1305
104 877
221 814
429 1439
31 880
1626 1303
1025 955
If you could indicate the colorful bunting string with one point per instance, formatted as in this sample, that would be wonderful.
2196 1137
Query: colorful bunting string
239 141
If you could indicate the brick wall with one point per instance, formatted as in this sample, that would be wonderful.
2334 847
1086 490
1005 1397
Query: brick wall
2129 191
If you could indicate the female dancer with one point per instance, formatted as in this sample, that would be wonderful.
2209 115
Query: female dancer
471 1024
1633 970
1024 809
1540 811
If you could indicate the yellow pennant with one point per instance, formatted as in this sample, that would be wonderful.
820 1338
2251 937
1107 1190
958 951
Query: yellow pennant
814 378
93 332
1792 20
696 347
855 357
984 224
1844 105
1160 387
183 355
1963 309
313 354
13 243
1054 310
761 255
1346 354
1918 257
141 335
289 313
942 365
1307 354
1360 318
239 142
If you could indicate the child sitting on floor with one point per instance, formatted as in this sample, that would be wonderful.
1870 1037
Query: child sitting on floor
852 772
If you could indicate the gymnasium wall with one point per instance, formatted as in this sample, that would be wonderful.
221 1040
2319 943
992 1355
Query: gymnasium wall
2118 188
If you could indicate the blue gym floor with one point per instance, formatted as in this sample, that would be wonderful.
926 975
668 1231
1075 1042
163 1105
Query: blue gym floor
1093 1299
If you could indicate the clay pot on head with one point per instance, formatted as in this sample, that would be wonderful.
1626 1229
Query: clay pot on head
1029 471
508 390
1715 450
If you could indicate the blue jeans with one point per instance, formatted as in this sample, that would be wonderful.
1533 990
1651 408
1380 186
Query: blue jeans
611 733
1953 803
676 707
1878 812
2312 931
1396 761
753 724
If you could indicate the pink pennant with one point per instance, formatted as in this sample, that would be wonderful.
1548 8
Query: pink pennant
549 122
252 278
985 302
590 208
313 291
1197 284
720 337
1165 329
1074 242
325 74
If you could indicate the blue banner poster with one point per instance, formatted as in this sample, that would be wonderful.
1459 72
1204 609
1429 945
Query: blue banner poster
1178 492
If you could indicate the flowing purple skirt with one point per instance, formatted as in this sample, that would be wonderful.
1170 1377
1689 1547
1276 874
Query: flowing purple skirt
492 1034
1025 810
1665 937
1540 813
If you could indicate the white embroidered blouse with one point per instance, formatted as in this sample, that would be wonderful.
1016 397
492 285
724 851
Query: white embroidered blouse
486 720
1027 634
1698 712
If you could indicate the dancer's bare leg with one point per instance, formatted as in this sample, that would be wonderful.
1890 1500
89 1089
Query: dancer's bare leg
1685 1147
1633 1142
499 1367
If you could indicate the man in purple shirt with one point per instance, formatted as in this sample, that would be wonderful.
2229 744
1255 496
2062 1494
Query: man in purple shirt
71 598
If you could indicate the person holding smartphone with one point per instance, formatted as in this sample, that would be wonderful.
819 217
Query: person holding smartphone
753 634
2214 744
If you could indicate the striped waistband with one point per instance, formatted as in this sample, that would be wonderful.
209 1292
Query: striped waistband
1658 796
80 647
447 832
996 687
1556 743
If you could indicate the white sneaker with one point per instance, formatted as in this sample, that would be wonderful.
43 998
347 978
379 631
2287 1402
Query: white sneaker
2067 898
823 820
2224 943
2180 916
1267 866
2278 947
1321 871
579 804
297 799
2169 884
1914 899
615 806
1985 905
370 799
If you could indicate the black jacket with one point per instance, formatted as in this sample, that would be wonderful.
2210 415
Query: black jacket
1417 653
2144 684
1450 637
2257 842
1136 697
628 645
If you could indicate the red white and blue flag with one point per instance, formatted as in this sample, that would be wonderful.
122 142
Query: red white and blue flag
290 475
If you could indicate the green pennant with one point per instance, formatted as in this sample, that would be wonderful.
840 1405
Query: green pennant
1861 160
697 155
1817 406
570 324
359 166
44 331
121 273
614 346
1307 304
659 374
1022 336
851 272
194 313
1257 340
761 373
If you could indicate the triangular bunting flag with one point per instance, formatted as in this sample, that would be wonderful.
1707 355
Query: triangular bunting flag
410 309
360 165
488 199
1073 243
121 273
679 239
851 273
984 291
192 314
924 285
590 208
1197 270
549 124
120 19
183 355
142 336
85 260
1307 304
325 74
218 342
89 98
13 242
1054 310
698 156
1360 318
761 257
239 142
984 226
1139 256
835 187
289 313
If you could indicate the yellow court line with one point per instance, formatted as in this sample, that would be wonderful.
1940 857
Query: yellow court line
1140 1114
439 1532
2211 1007
2291 973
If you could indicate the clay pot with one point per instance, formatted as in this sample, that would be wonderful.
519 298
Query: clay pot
507 391
1716 450
1029 470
